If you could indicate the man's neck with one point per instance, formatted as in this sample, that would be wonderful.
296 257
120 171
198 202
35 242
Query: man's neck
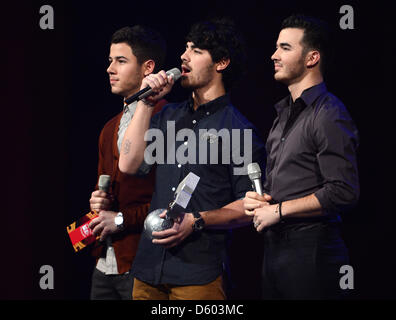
130 93
298 87
206 94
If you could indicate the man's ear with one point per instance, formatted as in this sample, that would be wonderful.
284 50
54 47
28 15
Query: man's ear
148 67
222 64
312 58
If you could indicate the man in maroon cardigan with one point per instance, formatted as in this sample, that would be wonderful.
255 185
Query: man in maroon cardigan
135 52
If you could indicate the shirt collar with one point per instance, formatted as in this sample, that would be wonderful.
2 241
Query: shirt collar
129 107
211 106
308 96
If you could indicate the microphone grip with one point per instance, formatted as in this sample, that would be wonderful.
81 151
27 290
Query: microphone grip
174 73
138 95
257 186
146 92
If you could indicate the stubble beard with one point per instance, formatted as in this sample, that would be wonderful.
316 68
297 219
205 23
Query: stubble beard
199 81
291 75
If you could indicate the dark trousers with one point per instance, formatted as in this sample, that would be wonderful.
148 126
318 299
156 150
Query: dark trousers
111 287
303 262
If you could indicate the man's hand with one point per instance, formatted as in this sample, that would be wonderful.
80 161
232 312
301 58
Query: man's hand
180 230
104 224
258 206
160 84
254 201
265 216
100 200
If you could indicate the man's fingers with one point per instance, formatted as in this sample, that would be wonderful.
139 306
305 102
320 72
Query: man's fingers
168 242
255 196
157 81
94 222
163 214
250 194
99 193
154 84
250 212
164 234
260 227
98 229
104 234
100 204
171 81
162 74
267 197
251 205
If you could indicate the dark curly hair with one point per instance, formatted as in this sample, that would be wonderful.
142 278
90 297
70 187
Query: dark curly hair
221 38
317 36
145 42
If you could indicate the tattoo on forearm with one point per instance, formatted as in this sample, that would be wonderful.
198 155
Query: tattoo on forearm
126 146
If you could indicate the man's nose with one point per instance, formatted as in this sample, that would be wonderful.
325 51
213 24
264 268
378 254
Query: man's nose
184 57
275 56
110 68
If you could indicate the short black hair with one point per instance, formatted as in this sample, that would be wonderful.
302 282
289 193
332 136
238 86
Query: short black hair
317 36
223 41
145 42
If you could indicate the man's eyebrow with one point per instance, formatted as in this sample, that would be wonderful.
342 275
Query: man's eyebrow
285 44
192 46
118 58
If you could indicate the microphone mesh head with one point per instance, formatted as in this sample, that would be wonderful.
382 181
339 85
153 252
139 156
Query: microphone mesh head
175 73
254 171
104 182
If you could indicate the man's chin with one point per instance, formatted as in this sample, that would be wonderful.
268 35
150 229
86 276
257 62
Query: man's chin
185 83
280 78
116 91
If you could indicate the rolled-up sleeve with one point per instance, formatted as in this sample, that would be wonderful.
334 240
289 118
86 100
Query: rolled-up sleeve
336 138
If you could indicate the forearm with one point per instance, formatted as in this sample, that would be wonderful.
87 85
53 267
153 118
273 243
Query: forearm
307 206
229 216
133 144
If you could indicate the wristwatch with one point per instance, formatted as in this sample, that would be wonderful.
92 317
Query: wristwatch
119 220
199 222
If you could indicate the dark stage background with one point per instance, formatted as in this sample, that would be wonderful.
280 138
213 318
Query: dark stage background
56 98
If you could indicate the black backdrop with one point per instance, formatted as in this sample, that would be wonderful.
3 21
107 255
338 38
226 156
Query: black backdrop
56 99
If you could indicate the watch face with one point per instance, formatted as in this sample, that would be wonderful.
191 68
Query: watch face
118 220
199 224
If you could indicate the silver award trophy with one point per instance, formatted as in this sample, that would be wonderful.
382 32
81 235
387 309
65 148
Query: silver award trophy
182 197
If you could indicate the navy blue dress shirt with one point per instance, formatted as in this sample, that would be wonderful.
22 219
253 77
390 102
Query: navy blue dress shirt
199 258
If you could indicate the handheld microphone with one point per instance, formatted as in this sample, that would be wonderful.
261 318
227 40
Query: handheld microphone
254 173
79 232
104 183
174 73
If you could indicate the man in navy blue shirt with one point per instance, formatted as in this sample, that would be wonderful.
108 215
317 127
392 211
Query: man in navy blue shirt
186 261
311 174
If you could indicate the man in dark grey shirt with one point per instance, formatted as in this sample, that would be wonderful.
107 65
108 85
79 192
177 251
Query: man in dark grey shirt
311 174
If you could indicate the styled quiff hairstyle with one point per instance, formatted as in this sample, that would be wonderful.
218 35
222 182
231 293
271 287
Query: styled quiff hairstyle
223 41
317 36
146 44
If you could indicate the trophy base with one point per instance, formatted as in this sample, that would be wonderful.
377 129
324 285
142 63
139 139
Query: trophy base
154 223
